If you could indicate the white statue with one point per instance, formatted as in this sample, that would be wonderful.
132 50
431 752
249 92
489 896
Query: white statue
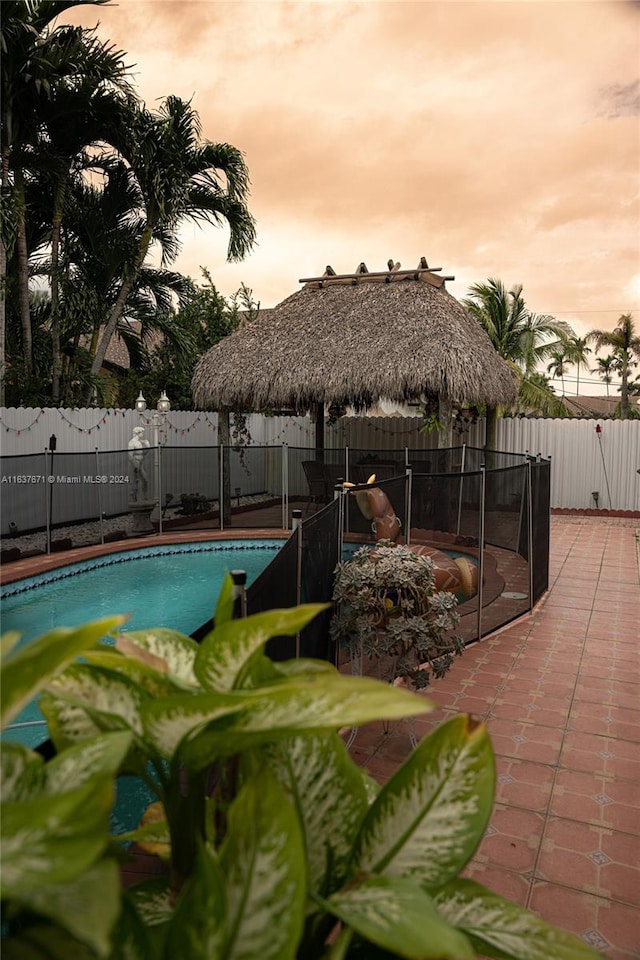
138 449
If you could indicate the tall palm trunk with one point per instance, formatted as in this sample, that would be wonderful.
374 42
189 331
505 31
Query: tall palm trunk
56 370
23 276
491 429
624 387
4 185
119 305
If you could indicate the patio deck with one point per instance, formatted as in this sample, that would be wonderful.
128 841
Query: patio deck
559 691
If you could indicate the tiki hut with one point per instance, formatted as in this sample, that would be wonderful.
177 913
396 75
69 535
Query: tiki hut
350 339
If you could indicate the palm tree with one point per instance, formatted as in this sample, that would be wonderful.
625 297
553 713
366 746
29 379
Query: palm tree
178 177
578 350
33 57
605 368
520 337
625 343
560 359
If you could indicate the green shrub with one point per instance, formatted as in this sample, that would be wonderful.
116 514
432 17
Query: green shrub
280 847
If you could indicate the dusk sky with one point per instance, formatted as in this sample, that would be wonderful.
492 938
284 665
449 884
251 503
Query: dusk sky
494 138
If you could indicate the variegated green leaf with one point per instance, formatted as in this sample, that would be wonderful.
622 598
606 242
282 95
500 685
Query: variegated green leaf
133 939
500 928
68 723
429 818
153 901
87 906
110 699
151 832
165 650
8 641
152 682
22 772
103 754
226 651
263 862
28 669
49 840
399 916
224 606
328 792
371 786
301 666
167 721
198 926
317 702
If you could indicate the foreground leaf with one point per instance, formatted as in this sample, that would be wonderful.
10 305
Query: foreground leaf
87 906
430 817
21 772
500 928
27 670
167 651
45 942
328 792
322 701
197 928
53 839
263 862
399 916
111 700
226 651
78 764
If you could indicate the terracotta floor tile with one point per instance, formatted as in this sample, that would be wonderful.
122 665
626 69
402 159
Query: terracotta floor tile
617 649
506 883
608 926
593 798
523 784
590 858
512 839
534 710
606 755
525 741
605 720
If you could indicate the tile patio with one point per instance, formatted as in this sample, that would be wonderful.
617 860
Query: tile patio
560 691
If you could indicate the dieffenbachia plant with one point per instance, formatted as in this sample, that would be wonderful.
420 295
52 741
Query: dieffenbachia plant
278 846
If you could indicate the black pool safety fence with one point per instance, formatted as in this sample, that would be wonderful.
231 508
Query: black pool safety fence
491 507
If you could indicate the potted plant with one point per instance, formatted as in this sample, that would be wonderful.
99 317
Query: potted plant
280 847
388 610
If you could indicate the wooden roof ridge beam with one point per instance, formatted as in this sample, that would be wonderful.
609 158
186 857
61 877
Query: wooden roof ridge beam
373 274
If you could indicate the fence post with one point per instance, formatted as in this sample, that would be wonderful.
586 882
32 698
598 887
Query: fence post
159 491
284 486
48 496
346 463
407 512
221 490
483 488
99 492
239 578
296 520
462 468
299 578
530 532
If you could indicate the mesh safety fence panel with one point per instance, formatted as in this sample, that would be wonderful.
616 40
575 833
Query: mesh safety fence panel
276 587
24 493
321 551
311 476
187 482
76 492
540 501
255 486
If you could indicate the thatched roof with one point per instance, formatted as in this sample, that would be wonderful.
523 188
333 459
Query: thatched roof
351 339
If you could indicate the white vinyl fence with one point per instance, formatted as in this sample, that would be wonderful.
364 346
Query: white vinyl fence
584 460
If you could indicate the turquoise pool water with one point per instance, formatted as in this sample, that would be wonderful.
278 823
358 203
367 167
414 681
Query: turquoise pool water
173 586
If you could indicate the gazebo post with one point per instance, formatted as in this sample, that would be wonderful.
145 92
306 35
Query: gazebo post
319 415
444 416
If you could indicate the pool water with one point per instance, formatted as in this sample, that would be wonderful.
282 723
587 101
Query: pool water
174 587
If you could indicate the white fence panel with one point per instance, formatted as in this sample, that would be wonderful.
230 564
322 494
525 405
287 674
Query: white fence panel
583 461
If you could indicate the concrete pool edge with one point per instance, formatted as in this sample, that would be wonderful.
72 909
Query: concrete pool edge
22 569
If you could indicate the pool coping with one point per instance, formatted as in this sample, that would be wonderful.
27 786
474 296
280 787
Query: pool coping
43 563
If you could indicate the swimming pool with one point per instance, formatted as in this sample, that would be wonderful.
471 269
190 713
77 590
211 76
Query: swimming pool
174 586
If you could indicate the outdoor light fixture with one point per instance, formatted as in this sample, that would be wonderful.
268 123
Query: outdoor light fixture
141 403
596 497
164 404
